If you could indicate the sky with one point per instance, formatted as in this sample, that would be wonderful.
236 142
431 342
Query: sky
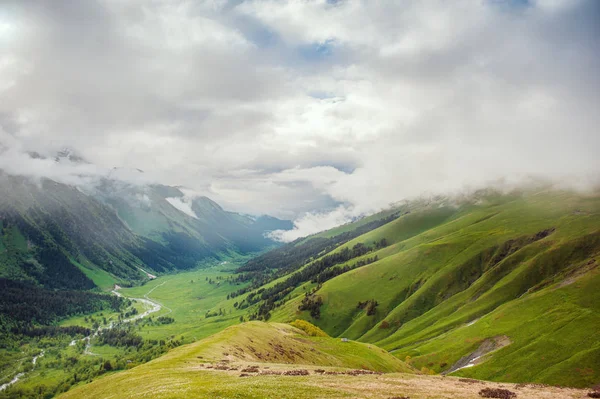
316 111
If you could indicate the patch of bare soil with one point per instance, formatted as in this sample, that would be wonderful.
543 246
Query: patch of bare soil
425 387
578 272
487 346
470 381
365 384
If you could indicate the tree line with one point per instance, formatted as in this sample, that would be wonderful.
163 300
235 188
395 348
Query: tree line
24 305
318 272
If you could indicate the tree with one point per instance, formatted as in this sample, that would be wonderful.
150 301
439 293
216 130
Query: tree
107 366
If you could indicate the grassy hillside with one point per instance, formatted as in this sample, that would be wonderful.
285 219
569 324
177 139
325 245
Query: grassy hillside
283 344
188 384
258 360
211 367
68 237
454 277
495 287
520 265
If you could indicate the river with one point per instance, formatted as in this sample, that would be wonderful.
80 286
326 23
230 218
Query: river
151 307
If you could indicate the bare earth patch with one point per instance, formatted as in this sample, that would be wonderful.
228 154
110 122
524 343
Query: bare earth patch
364 384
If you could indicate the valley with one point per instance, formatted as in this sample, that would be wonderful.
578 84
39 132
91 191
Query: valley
446 297
299 199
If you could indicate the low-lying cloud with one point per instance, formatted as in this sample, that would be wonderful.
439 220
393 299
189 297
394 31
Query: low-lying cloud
316 111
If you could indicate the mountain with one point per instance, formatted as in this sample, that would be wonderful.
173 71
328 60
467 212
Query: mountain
166 215
494 286
78 237
491 286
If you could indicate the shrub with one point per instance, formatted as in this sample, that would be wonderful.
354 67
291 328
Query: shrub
370 306
309 328
497 393
312 303
296 372
107 366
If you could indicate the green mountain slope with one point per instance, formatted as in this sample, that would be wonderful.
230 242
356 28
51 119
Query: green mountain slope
150 211
51 232
522 266
62 237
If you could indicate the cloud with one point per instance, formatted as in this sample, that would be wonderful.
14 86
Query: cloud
318 111
183 205
314 222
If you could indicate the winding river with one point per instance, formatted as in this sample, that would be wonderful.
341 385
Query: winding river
17 377
151 307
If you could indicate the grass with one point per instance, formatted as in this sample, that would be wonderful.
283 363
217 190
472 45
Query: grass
192 371
184 384
187 297
440 274
103 279
252 343
453 276
272 346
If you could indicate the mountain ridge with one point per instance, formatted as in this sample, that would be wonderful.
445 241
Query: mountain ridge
449 263
108 233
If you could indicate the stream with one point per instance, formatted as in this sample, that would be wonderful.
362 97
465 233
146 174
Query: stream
17 377
151 307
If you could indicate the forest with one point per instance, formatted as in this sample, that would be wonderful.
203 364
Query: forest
24 305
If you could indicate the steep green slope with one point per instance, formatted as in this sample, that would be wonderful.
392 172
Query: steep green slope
61 237
50 231
553 337
448 264
200 224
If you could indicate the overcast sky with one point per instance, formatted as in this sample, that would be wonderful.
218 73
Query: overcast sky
335 108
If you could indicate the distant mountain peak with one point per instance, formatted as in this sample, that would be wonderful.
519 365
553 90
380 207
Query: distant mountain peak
70 155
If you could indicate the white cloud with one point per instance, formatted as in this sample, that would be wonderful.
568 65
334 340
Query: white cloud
182 205
314 222
298 109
